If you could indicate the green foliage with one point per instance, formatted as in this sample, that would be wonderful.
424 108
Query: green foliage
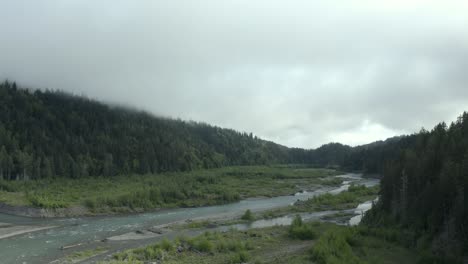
44 201
344 200
208 243
145 192
333 248
202 244
355 193
248 216
240 257
297 221
54 134
166 245
82 255
300 230
424 187
334 244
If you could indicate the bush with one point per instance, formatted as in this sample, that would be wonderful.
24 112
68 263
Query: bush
227 196
43 201
234 245
202 244
333 247
166 245
222 247
7 186
152 253
300 230
248 216
90 203
240 257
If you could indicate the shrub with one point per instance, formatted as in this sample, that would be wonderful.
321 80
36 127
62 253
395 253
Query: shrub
90 203
300 230
229 196
297 221
221 246
243 256
44 201
166 245
202 244
333 247
234 245
153 253
240 257
248 216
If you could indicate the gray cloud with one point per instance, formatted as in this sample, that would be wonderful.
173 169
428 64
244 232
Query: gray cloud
301 73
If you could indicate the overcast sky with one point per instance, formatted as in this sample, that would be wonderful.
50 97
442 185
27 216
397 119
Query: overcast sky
300 73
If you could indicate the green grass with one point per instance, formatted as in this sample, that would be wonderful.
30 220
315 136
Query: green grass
253 246
146 192
226 247
193 224
355 195
349 199
330 244
76 257
361 245
301 230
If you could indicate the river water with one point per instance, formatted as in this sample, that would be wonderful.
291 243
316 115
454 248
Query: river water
44 246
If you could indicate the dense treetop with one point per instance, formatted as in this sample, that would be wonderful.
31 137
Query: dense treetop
425 186
48 133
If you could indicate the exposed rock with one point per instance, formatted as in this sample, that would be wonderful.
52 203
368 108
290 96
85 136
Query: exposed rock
180 249
156 230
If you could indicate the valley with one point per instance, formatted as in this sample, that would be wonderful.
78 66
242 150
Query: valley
120 232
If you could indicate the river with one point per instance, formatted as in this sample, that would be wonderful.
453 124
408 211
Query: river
44 246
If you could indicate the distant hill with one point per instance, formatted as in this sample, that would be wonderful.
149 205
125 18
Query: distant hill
55 134
50 133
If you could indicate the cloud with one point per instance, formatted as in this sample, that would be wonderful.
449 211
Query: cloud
297 72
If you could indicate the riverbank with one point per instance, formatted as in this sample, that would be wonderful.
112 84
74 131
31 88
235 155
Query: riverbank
302 242
148 193
93 232
9 230
226 223
28 211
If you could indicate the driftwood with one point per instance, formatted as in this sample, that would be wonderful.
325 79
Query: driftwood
70 246
156 230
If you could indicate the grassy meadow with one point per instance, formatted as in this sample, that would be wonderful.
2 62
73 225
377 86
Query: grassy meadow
184 189
312 242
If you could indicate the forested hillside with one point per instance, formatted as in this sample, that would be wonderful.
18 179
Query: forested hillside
45 133
424 185
425 188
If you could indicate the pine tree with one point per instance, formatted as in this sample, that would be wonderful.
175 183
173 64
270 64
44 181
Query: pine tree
46 168
108 165
3 163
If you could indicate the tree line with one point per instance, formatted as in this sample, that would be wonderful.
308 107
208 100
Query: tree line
55 134
424 187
